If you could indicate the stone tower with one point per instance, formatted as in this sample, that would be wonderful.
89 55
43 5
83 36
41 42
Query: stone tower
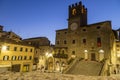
77 15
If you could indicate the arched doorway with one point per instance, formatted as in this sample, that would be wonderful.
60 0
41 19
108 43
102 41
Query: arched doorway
50 63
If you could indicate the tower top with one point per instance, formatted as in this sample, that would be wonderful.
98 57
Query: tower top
77 9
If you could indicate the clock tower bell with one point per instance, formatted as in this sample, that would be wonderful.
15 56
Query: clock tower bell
77 15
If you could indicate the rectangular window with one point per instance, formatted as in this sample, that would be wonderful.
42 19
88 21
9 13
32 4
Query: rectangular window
30 58
99 42
8 48
25 57
15 48
30 50
21 49
6 58
65 42
73 42
19 57
13 58
26 49
84 41
57 42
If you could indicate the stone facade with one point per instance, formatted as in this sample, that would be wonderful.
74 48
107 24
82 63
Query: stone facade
43 49
88 41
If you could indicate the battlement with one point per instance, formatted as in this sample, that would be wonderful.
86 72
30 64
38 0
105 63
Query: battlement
78 6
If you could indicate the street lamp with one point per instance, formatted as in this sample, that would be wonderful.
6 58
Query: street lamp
4 48
86 54
101 55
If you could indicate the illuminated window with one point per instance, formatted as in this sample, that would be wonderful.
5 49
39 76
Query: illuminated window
6 58
13 58
74 11
19 57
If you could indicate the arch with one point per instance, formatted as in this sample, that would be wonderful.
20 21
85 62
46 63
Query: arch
74 11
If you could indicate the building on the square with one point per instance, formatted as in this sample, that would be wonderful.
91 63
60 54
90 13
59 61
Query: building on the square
92 42
16 56
43 58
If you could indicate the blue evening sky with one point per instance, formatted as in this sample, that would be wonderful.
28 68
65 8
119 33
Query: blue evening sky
38 18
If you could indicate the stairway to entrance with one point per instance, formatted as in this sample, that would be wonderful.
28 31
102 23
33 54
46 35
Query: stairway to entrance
89 68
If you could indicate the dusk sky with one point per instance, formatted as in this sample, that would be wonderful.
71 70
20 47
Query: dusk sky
39 18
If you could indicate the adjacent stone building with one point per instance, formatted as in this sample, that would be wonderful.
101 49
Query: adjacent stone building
43 58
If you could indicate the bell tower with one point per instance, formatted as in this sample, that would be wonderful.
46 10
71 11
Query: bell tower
77 15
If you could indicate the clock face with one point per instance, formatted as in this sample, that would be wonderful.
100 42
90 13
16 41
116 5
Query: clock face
74 26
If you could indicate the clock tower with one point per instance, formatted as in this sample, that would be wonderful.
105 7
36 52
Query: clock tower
77 16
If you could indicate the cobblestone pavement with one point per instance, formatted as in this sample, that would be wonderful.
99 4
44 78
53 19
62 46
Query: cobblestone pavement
37 75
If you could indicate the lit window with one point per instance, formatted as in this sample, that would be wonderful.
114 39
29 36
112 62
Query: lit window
6 58
13 58
19 57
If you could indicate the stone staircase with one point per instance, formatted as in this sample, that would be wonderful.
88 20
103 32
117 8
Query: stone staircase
89 68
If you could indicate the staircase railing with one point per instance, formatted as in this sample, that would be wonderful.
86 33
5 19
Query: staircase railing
103 69
70 65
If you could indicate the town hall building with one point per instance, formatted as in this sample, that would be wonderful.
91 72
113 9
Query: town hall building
91 42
